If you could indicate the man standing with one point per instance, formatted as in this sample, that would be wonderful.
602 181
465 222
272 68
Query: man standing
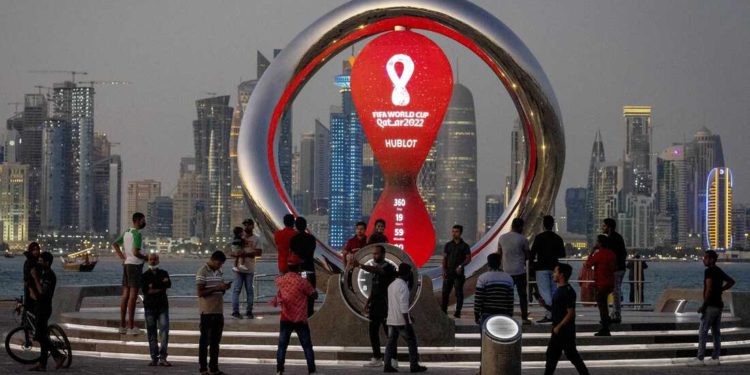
617 245
494 293
155 283
29 286
603 260
211 287
383 273
456 255
400 322
46 281
128 247
378 236
303 246
715 281
283 238
546 251
294 292
245 271
563 323
354 244
513 248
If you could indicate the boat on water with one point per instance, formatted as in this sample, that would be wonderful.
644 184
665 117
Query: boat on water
9 254
80 261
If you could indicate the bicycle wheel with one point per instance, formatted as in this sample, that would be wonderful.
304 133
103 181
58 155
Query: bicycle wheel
60 341
20 345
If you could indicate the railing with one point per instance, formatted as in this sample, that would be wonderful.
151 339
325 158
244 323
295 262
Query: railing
258 280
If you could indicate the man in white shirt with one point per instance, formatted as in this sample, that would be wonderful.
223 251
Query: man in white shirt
399 321
514 250
129 247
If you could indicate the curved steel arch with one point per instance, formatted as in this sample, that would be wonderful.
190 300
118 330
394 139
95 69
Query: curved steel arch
463 22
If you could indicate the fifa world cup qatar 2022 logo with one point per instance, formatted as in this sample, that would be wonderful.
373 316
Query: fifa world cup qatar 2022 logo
401 86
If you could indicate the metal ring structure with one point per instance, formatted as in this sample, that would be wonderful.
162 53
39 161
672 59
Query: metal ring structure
465 23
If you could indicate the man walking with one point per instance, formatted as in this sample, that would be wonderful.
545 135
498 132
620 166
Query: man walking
129 248
715 281
400 322
294 292
303 246
383 273
211 287
513 248
494 292
155 283
46 281
546 251
243 275
603 261
617 245
456 255
283 238
563 323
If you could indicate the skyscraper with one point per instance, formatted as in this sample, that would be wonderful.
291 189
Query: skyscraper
322 167
83 147
345 203
719 209
636 221
306 173
638 149
740 228
57 182
140 193
605 198
426 183
212 132
703 154
493 209
457 168
30 153
14 207
672 191
518 153
575 205
188 218
597 160
101 182
114 215
160 211
62 113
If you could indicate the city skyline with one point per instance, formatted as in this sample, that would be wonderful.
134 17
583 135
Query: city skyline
675 113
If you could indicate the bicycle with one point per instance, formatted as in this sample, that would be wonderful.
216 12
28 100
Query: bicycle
21 344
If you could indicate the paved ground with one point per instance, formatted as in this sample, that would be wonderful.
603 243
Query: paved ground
90 365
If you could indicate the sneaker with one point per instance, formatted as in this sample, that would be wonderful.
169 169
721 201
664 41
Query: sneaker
164 362
695 362
603 333
712 362
544 320
250 316
457 315
526 321
374 362
235 269
133 331
419 369
153 363
394 363
122 330
389 369
236 315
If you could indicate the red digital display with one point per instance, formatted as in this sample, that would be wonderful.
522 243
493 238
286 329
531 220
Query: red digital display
401 85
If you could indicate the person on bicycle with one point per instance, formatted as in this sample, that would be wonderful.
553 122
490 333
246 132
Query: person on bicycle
45 281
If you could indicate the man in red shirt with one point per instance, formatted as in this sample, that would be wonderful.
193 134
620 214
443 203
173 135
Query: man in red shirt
604 262
282 238
355 243
292 296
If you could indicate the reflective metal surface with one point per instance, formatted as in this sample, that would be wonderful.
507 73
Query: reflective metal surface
490 39
502 328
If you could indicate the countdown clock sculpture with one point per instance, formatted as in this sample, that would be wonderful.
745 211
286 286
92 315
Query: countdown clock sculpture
467 24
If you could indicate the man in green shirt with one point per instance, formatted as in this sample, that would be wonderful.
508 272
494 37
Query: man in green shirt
128 247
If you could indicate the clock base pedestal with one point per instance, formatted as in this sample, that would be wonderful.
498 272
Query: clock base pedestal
335 323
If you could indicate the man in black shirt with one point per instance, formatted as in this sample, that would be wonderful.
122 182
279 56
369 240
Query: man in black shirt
303 245
715 281
383 273
563 323
46 281
456 255
546 251
378 236
617 245
155 283
29 286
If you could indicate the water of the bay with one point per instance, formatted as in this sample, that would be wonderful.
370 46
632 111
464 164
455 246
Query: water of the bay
659 275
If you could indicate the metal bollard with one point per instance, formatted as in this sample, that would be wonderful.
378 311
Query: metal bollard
501 346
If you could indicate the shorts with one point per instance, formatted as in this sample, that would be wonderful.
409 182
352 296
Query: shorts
131 275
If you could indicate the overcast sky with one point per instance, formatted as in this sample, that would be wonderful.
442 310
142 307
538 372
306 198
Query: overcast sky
688 59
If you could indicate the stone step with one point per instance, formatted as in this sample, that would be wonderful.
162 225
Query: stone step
462 339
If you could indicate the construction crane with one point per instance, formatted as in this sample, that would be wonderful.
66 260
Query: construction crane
71 72
113 83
